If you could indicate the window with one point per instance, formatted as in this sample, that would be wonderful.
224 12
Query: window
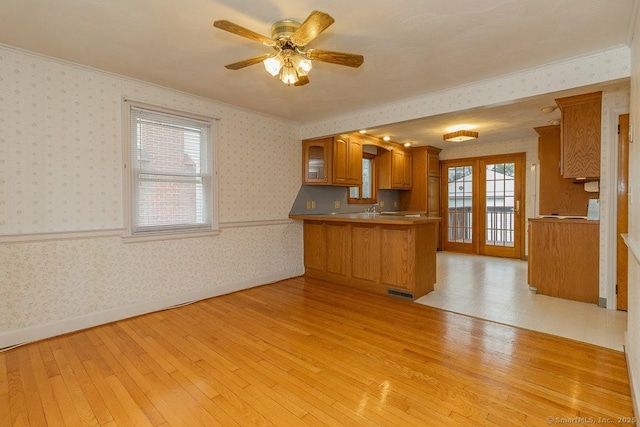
365 193
170 171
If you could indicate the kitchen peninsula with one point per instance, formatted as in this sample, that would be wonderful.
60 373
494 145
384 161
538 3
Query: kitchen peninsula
390 254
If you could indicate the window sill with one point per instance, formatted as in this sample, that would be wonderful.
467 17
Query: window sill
168 236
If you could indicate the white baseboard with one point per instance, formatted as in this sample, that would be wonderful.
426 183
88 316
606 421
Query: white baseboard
634 380
34 333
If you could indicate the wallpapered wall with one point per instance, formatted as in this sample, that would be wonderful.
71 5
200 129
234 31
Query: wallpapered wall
61 171
632 346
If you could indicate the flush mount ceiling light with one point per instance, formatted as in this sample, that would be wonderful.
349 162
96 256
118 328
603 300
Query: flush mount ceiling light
292 60
460 135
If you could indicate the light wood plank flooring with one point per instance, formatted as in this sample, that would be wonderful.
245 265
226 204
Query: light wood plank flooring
304 352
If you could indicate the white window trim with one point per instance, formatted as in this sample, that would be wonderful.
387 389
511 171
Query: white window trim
128 235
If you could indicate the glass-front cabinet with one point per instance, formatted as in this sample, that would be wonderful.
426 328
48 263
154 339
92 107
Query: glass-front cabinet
317 161
332 161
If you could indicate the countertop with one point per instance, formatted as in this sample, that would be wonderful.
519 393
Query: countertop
565 219
369 218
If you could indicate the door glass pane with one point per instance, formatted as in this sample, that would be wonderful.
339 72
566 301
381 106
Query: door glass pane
316 162
460 193
500 198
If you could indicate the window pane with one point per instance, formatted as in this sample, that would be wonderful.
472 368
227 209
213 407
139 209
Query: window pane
367 178
171 176
167 200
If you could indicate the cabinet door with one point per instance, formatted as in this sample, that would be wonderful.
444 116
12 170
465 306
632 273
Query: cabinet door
433 196
338 248
315 161
400 170
365 253
408 160
397 169
354 169
314 245
580 128
341 161
433 164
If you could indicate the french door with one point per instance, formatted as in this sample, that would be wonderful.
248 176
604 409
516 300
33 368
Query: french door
483 202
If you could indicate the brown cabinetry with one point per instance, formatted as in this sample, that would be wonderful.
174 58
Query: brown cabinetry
580 135
425 190
557 195
563 258
375 255
394 169
347 160
332 161
316 161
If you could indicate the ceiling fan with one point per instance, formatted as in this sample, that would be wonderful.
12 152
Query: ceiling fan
291 60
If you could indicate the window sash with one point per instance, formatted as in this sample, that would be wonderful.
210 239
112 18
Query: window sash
176 196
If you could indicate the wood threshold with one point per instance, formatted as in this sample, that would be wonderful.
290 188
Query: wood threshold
308 352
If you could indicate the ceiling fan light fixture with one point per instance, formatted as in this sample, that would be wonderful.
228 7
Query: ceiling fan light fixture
303 65
273 65
460 135
288 74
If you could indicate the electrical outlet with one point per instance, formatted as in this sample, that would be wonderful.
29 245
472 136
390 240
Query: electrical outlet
309 204
336 204
395 204
313 204
382 204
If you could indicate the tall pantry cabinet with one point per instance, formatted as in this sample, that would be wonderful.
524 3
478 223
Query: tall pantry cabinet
425 191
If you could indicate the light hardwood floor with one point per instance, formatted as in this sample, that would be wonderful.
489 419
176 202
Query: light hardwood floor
305 352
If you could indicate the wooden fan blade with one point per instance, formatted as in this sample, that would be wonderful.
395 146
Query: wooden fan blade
348 59
302 80
243 32
316 23
245 63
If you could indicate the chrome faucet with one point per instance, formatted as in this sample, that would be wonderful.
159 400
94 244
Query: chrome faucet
374 208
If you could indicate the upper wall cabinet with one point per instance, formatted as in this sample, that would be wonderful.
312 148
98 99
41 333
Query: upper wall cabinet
332 161
316 161
394 169
580 136
347 160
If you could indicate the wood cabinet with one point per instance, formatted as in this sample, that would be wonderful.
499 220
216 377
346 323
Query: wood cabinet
557 195
376 256
394 169
316 161
332 161
563 258
580 135
425 190
347 160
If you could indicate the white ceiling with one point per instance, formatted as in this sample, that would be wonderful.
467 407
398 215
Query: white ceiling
411 47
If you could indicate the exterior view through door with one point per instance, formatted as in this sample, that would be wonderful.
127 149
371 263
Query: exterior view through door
484 197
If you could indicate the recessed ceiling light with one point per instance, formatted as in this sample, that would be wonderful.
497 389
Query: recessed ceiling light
549 109
363 131
387 138
407 144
